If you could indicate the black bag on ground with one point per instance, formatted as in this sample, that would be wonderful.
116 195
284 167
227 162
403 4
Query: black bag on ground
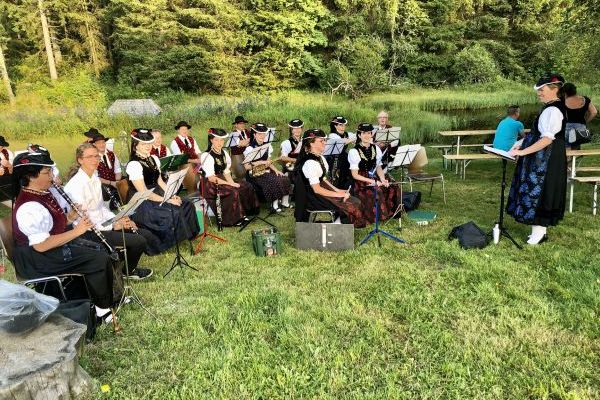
411 200
469 236
81 311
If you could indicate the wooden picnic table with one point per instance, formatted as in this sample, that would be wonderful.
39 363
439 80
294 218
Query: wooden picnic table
574 154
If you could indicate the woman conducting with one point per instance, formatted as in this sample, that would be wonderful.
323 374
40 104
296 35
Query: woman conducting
143 171
367 173
313 191
236 200
538 192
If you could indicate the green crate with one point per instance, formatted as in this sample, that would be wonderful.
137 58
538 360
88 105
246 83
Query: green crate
266 242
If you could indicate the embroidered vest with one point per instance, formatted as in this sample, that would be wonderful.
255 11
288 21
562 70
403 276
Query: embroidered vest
220 161
105 171
160 153
59 219
368 158
185 149
237 150
150 170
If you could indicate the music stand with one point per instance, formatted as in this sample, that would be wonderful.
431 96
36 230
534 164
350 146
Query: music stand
376 231
505 158
172 163
233 140
255 155
173 185
333 148
128 210
204 233
272 135
387 136
404 156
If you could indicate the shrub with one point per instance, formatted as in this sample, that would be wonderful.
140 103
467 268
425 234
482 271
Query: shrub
475 64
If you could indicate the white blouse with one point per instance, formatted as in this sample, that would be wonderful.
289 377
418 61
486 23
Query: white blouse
550 122
313 171
87 191
35 221
287 148
208 163
135 171
354 158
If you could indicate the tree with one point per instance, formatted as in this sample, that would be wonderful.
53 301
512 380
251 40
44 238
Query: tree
47 41
4 71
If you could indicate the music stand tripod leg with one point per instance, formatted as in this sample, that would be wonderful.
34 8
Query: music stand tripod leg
179 259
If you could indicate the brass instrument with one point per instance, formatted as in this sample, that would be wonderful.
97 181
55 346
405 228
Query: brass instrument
259 170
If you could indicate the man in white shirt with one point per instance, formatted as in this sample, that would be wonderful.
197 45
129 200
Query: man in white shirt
85 189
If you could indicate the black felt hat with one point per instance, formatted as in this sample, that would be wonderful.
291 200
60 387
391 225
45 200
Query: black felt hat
92 132
339 120
218 133
365 128
549 79
296 123
35 155
259 127
98 137
143 135
182 123
3 142
238 119
313 133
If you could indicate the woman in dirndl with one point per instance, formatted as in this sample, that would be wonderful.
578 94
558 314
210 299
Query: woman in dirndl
289 148
367 173
143 171
264 175
314 192
338 163
46 243
236 200
538 192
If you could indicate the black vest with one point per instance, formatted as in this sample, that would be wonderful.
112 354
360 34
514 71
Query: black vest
220 162
150 171
368 158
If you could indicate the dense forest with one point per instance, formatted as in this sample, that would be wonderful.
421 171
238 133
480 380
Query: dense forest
349 46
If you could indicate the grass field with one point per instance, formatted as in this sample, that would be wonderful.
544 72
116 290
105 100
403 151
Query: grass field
424 320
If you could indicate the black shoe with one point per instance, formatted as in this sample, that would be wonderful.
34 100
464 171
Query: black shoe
139 274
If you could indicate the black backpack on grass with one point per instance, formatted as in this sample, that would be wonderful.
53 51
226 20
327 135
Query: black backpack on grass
469 236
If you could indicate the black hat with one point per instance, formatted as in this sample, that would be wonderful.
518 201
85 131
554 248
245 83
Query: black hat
314 133
339 120
91 132
218 133
3 142
35 155
365 128
143 135
259 127
97 137
182 123
549 79
296 123
238 119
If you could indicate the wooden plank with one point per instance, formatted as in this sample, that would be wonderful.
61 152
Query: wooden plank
585 152
462 157
586 179
472 132
588 169
448 146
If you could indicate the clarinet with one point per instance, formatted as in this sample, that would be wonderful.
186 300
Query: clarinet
219 210
113 254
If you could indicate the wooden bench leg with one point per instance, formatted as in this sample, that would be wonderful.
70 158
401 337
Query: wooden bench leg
595 199
571 190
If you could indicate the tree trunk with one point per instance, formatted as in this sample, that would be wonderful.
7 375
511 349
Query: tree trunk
47 42
5 79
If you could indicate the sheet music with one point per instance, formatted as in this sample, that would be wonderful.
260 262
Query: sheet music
271 135
233 140
406 154
137 199
499 152
173 184
256 153
387 135
333 147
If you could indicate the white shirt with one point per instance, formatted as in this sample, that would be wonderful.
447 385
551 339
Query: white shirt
351 136
313 171
550 122
287 148
250 148
354 158
135 171
166 148
87 191
175 147
208 163
10 156
117 167
35 221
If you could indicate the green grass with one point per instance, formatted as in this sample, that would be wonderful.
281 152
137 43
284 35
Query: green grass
421 320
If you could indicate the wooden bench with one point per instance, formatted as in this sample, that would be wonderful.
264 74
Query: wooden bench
592 180
463 160
448 148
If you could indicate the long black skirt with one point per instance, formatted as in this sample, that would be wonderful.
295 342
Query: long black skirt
166 223
76 257
272 186
236 203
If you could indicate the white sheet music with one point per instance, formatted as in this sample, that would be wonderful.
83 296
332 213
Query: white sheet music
499 152
406 154
388 135
334 147
256 153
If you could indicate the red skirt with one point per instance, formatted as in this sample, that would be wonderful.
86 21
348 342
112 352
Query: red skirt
352 209
235 202
388 198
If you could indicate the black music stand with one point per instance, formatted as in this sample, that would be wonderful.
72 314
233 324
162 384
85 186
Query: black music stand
404 156
172 163
173 185
272 136
376 231
387 136
333 148
255 155
500 222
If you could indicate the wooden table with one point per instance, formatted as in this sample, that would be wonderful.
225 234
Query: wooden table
574 154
